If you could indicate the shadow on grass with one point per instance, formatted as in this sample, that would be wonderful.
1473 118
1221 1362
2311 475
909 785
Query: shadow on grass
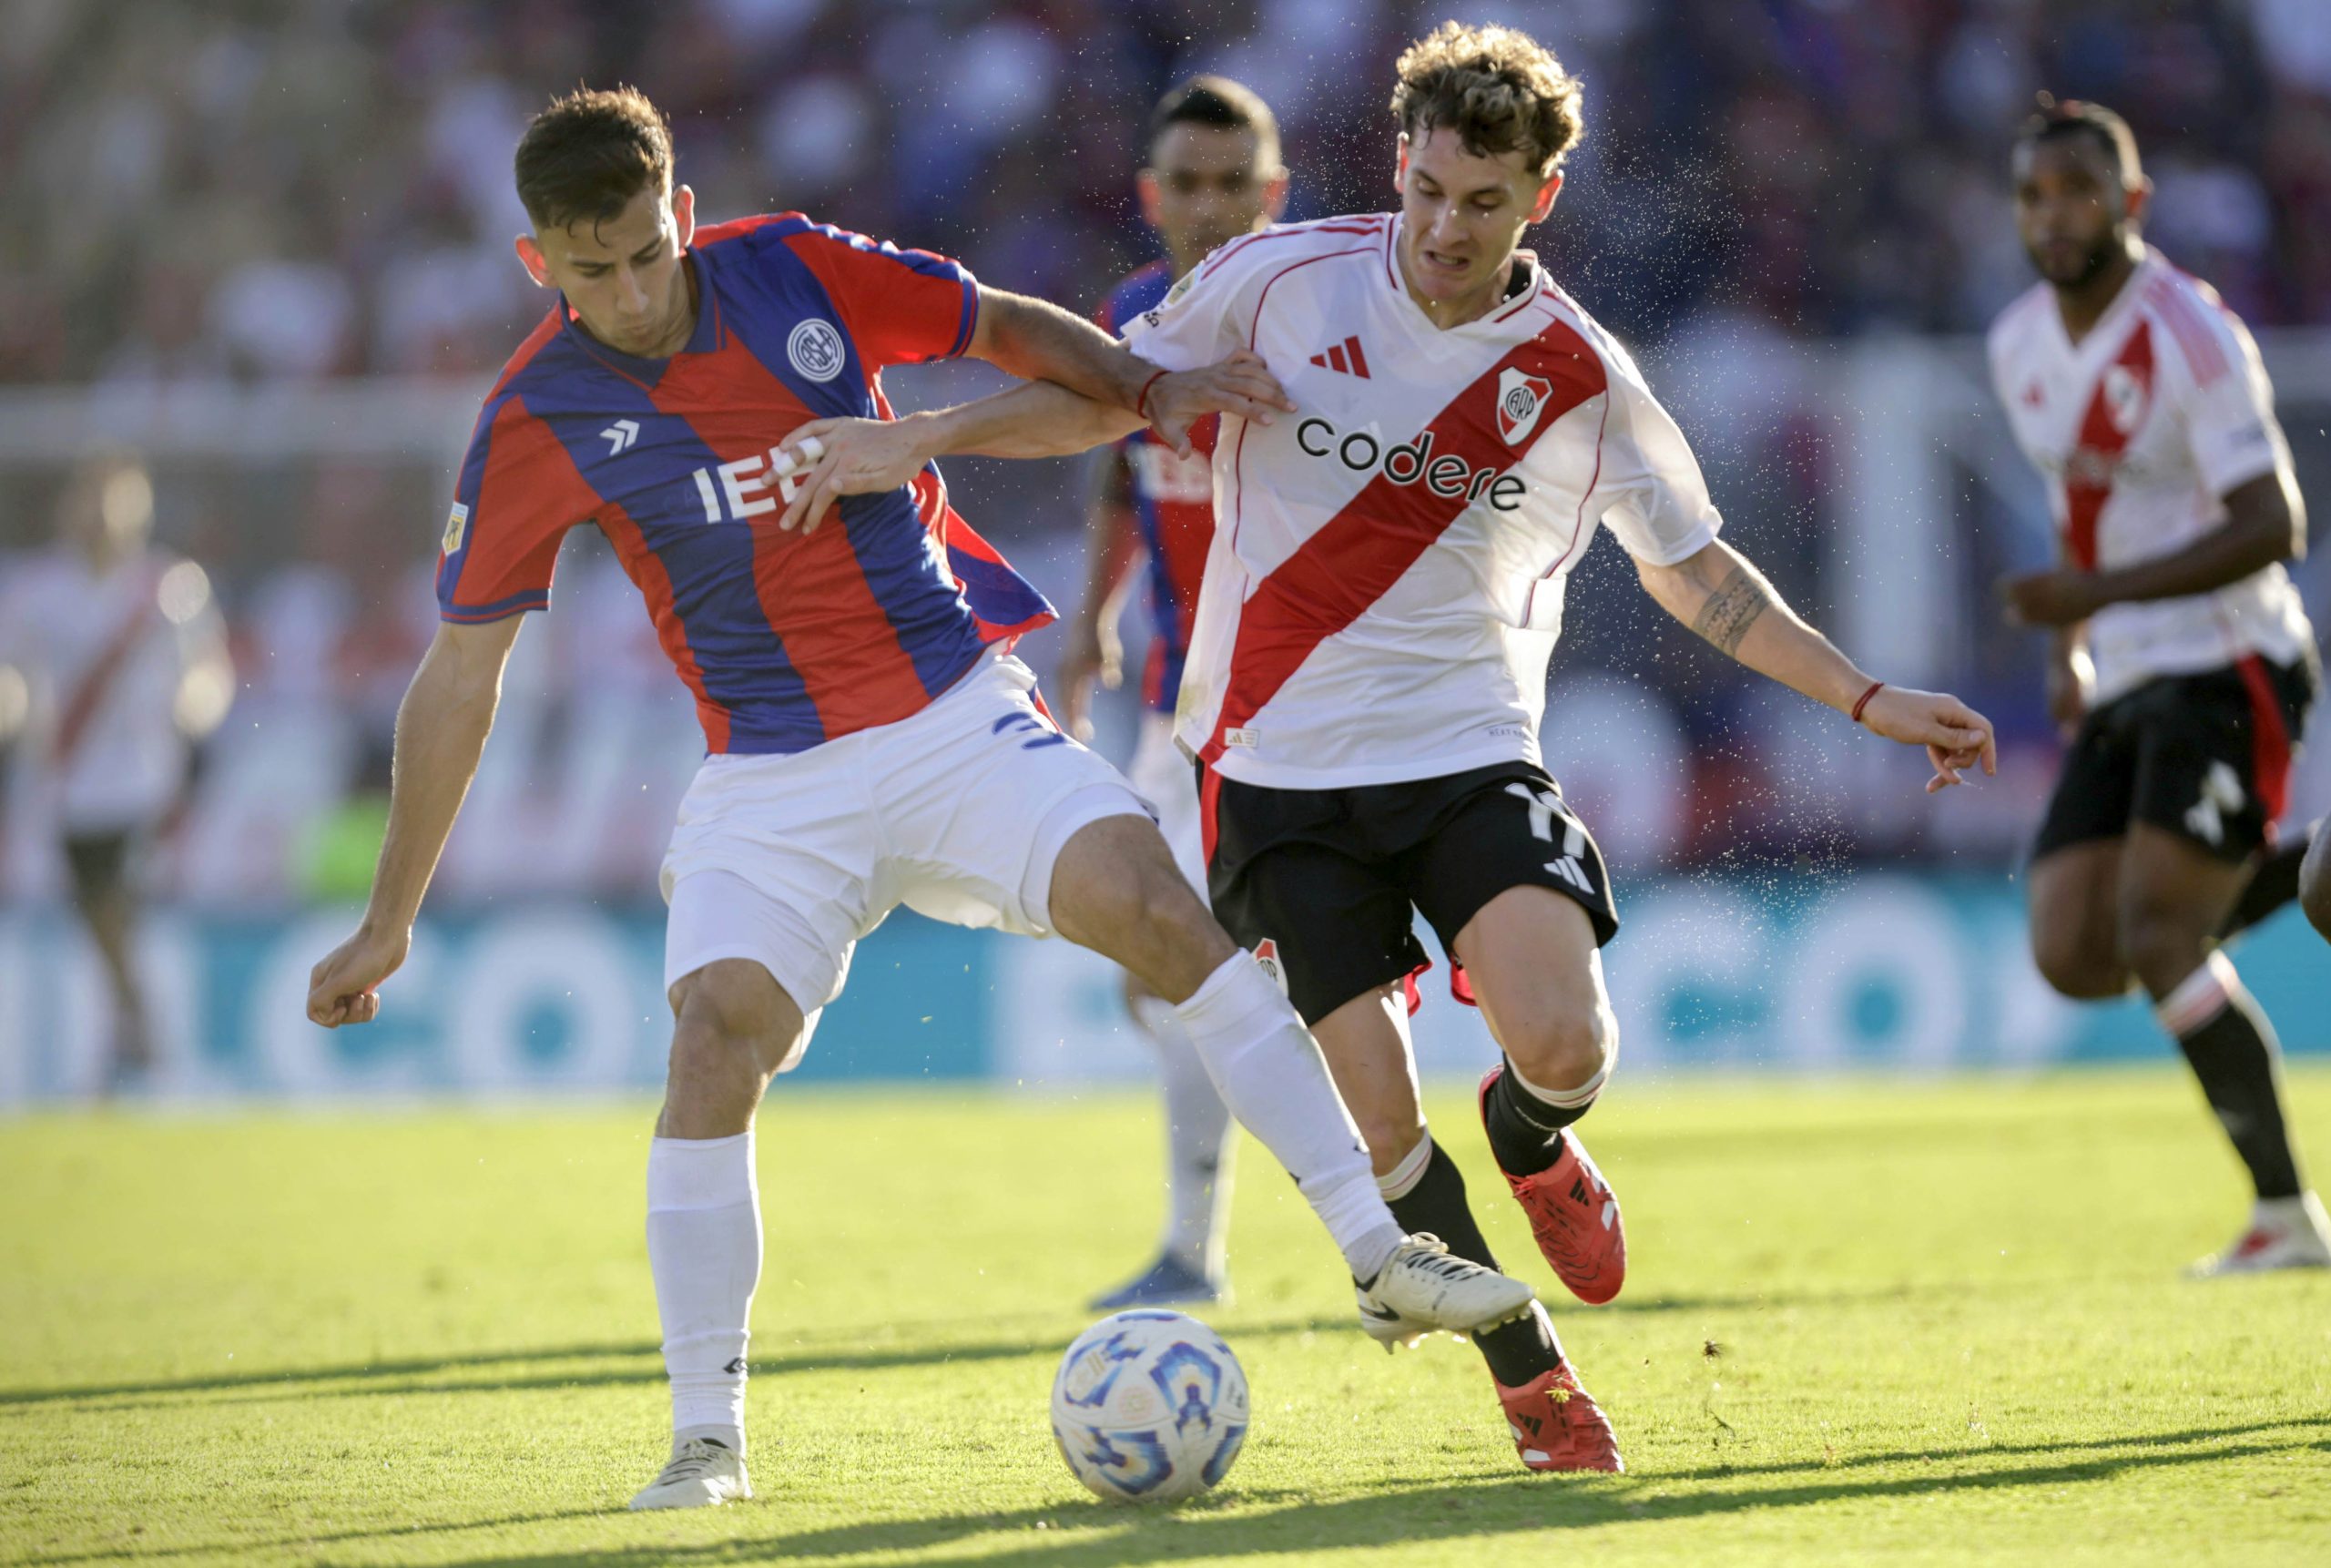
1080 1535
445 1374
316 1538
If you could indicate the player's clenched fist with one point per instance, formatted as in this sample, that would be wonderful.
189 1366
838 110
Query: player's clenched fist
344 987
1956 737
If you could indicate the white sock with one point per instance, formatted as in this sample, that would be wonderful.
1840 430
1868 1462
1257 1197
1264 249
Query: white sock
1198 1144
1272 1077
703 1248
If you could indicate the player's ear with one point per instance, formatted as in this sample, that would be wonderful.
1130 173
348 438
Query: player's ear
2139 197
1545 202
684 215
1275 191
1400 169
1144 185
531 256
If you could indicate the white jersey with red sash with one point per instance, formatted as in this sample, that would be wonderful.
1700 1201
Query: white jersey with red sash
1385 584
2140 430
107 660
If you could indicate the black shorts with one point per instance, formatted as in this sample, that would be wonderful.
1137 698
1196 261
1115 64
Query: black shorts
2206 757
100 863
1323 880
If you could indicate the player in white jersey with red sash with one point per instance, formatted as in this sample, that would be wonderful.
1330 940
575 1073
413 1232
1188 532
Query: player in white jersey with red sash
1369 665
121 646
2182 664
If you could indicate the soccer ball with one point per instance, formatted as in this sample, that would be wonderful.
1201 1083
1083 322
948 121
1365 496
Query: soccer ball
1149 1406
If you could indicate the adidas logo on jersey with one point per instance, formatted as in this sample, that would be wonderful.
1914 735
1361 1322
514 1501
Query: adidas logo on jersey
1345 357
1412 461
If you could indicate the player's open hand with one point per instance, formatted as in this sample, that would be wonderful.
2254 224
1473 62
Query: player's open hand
345 987
2058 596
1956 737
1241 385
827 459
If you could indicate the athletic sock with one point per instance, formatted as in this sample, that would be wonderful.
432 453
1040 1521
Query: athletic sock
1427 1192
1270 1073
2225 1036
703 1248
2274 884
1526 1121
1197 1144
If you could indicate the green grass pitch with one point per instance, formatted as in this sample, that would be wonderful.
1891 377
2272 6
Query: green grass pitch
1903 1321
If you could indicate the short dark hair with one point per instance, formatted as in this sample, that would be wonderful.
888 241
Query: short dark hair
2054 118
1499 89
1219 101
589 153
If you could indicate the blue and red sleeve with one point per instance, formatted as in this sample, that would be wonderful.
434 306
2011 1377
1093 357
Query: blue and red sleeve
518 494
899 307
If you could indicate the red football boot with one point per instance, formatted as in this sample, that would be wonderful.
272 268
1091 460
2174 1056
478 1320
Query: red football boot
1558 1426
1573 1214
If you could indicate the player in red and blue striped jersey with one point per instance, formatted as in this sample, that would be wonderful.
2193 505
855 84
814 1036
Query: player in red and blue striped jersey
1214 174
870 741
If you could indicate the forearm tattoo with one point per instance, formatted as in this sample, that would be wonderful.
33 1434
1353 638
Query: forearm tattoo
1733 608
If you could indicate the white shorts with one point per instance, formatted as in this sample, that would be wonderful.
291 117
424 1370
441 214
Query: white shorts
1169 783
959 812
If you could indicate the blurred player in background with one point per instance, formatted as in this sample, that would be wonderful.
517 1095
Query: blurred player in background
871 742
1214 174
1369 665
2180 659
113 649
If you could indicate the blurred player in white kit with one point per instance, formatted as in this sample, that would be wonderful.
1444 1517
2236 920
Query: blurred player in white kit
116 658
2182 663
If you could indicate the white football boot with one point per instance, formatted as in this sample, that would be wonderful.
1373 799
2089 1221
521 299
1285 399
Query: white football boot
701 1475
1423 1290
2283 1233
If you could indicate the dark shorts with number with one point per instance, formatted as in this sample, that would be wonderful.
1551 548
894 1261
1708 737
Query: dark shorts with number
1323 880
2206 757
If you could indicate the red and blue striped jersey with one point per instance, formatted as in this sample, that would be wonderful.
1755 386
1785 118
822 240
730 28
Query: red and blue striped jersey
1172 499
786 641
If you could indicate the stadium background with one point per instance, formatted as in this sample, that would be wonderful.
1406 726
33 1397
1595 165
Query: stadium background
268 245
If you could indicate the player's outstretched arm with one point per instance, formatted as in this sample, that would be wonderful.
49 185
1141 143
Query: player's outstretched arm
2266 522
442 727
838 457
1723 597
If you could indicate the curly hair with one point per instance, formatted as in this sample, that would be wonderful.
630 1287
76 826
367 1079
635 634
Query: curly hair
1499 90
589 153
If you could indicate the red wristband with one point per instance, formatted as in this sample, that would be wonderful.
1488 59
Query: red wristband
1875 688
1141 403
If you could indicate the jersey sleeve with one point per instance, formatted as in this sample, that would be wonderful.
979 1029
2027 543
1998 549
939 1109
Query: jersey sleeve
1198 322
518 495
1654 497
2227 401
899 307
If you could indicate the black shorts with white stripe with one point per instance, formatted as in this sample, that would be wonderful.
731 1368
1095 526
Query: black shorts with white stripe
1320 883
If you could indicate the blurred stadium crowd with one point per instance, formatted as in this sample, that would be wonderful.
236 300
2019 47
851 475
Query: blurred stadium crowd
272 192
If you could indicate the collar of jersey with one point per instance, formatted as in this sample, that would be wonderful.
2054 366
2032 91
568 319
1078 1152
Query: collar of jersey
1506 306
703 340
2108 325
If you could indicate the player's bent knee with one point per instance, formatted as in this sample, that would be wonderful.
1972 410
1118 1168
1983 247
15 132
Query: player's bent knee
1564 1052
2080 972
733 1021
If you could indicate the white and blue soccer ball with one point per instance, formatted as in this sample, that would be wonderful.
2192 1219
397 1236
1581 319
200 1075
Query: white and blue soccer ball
1149 1406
